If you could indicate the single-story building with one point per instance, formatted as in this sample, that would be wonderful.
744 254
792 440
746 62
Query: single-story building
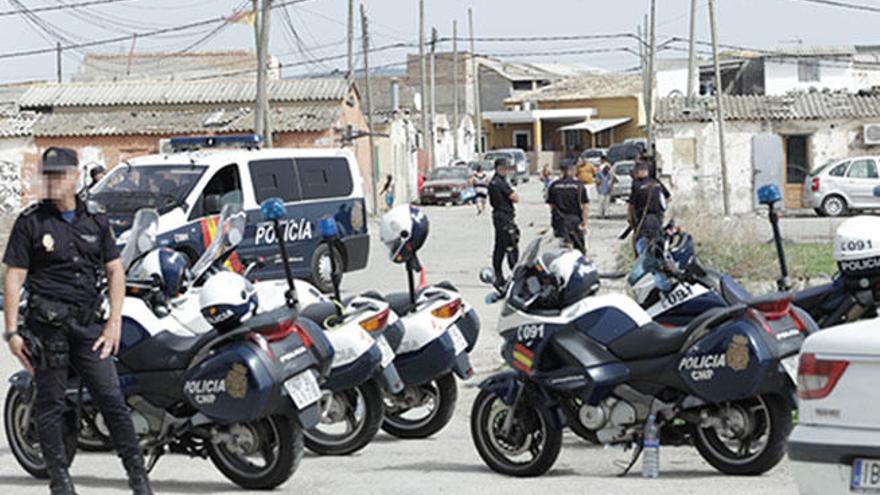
767 139
107 122
573 114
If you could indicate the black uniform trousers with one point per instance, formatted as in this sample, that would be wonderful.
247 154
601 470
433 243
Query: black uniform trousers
568 228
506 242
99 376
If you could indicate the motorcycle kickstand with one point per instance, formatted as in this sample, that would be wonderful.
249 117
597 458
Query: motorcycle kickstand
153 458
508 420
637 452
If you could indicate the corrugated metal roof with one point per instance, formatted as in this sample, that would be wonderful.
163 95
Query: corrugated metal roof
306 117
179 93
585 87
798 106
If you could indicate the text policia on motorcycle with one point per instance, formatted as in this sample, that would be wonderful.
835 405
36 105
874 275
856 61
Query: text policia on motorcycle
253 349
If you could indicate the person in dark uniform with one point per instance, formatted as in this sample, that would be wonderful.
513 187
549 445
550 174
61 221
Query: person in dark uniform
97 174
57 248
502 198
568 202
647 205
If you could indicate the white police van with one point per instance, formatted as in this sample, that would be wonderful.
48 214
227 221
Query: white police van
189 188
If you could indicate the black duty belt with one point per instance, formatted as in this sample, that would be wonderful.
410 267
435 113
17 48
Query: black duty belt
53 312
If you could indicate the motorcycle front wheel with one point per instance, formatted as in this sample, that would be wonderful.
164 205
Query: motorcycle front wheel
260 455
432 414
529 448
350 419
746 437
21 433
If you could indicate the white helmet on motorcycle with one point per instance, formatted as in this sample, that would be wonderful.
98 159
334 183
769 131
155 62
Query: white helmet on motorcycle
227 300
576 278
403 230
165 267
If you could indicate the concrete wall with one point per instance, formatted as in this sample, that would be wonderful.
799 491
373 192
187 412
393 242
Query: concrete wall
691 165
672 81
781 76
16 187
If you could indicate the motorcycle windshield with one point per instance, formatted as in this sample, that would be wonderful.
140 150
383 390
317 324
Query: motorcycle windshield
229 233
141 237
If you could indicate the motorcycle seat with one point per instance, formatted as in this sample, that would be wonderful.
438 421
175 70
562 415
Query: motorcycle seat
166 351
813 297
732 292
654 340
400 302
319 312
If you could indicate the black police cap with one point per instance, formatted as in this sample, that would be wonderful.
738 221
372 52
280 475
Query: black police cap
59 160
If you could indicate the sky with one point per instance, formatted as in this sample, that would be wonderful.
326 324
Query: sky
320 25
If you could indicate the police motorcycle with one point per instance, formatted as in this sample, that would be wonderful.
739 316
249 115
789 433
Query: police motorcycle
362 367
437 331
716 384
238 394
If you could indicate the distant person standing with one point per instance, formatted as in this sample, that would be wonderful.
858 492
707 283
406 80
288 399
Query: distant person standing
648 200
480 183
546 175
96 175
568 202
388 192
502 198
605 180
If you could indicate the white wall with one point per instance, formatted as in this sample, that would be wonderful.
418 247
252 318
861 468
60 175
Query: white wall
672 80
12 158
781 76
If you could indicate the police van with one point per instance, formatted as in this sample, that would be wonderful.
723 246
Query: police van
189 188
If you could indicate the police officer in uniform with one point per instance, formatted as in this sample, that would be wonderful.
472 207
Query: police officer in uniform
502 198
56 248
647 205
568 202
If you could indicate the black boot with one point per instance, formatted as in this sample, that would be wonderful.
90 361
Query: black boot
137 475
59 481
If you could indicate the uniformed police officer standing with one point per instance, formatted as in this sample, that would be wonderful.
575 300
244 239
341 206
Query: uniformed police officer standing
647 204
502 197
568 202
57 248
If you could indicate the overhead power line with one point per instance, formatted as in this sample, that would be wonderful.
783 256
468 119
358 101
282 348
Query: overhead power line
844 5
59 7
145 34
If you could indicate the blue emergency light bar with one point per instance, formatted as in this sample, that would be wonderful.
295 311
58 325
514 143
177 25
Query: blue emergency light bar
248 141
769 194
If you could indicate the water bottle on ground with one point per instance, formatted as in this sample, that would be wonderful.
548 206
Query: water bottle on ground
651 452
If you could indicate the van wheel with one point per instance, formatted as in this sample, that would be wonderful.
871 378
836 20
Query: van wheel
834 206
321 267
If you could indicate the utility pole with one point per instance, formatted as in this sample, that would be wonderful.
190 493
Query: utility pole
58 60
369 101
475 68
649 102
719 109
692 52
350 39
423 75
433 123
261 116
455 89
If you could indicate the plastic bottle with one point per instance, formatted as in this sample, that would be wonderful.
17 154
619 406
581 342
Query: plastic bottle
651 453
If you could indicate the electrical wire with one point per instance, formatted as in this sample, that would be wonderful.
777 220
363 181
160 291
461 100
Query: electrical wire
59 7
844 5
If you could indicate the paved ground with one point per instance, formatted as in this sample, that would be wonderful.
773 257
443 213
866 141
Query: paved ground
458 246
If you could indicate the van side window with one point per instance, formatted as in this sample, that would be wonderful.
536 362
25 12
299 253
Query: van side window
223 188
839 169
324 177
275 178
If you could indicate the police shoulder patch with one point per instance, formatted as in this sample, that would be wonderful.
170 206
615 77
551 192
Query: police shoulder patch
30 208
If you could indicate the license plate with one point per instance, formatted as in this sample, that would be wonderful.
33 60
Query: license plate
458 340
303 389
791 367
866 475
443 195
387 353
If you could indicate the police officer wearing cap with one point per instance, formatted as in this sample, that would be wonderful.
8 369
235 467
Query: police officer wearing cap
56 249
502 198
568 202
648 199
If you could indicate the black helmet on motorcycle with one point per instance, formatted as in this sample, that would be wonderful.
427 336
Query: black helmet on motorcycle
681 250
164 267
403 230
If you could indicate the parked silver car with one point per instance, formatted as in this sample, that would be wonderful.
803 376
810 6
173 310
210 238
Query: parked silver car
839 187
517 158
623 171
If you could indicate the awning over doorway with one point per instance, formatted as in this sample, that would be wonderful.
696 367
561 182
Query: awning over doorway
595 125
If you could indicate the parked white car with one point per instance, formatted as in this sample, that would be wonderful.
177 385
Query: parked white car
839 187
835 448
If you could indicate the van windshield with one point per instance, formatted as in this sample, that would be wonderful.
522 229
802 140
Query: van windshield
130 188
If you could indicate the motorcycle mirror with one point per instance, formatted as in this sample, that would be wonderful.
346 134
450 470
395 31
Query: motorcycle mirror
769 194
273 209
234 237
877 192
492 298
487 276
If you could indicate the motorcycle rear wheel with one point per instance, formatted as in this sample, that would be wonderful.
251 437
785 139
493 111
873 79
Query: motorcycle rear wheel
279 441
444 392
533 433
359 431
23 438
767 418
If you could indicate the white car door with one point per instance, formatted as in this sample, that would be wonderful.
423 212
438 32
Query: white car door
861 179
